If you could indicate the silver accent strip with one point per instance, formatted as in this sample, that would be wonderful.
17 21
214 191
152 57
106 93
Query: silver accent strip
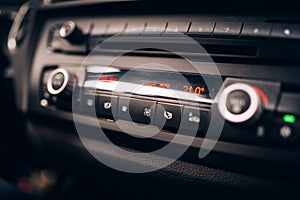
50 89
13 33
138 89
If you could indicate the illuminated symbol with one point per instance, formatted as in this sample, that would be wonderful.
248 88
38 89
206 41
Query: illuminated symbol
260 132
44 102
226 29
287 32
150 84
237 104
58 76
107 105
287 118
192 118
90 102
147 112
103 78
202 89
124 108
164 85
255 30
285 132
168 115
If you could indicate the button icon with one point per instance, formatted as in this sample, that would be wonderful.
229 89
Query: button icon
285 131
107 105
287 32
260 131
226 30
147 112
90 102
168 115
238 102
124 108
192 118
255 30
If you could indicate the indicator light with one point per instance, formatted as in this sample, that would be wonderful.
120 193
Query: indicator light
58 76
288 118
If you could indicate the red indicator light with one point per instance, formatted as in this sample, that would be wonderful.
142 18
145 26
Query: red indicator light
261 94
103 78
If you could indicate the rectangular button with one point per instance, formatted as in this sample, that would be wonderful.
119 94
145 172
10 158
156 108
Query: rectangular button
115 28
283 131
195 119
286 31
174 27
155 27
135 27
168 116
228 28
99 28
89 104
106 104
203 28
142 110
136 110
289 103
251 29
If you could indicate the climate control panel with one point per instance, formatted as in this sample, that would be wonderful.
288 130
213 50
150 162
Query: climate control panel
254 111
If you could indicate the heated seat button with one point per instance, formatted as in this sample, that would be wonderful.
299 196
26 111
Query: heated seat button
105 105
237 102
194 120
168 116
136 110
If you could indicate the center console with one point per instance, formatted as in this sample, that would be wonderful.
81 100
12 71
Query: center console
245 81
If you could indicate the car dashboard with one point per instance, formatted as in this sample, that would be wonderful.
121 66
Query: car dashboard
173 98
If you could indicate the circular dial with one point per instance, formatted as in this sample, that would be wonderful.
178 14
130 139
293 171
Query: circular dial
239 102
60 81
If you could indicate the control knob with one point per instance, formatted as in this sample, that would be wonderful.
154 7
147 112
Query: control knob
239 103
60 82
70 31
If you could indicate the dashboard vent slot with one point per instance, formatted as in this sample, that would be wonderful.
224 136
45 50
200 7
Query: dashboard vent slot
230 50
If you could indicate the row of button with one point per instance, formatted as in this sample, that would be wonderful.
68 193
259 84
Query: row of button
247 29
167 116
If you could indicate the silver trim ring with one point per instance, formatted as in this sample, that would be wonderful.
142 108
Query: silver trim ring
50 88
255 102
63 32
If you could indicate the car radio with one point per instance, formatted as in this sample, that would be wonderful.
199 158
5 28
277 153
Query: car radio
254 95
